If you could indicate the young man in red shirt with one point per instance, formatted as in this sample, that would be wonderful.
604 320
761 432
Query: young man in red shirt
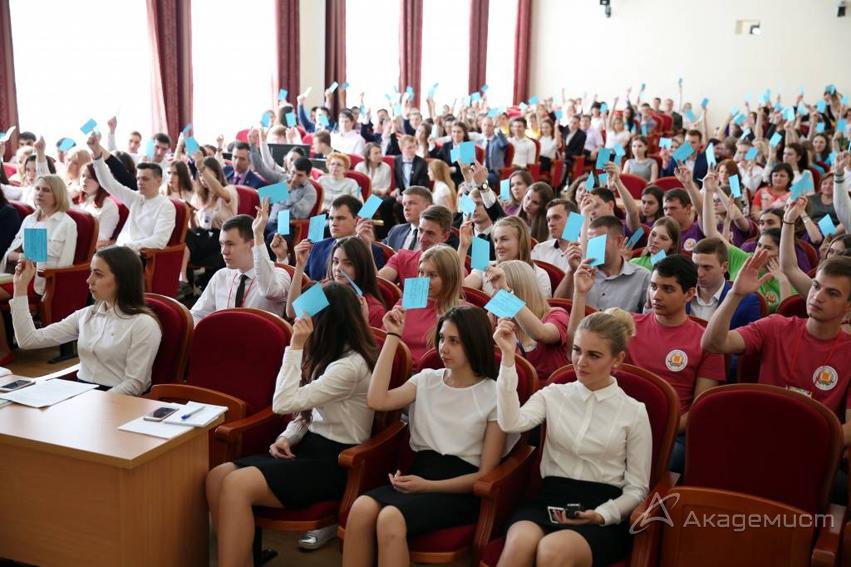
434 228
666 342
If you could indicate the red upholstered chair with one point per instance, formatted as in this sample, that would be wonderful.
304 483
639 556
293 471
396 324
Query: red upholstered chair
793 306
305 281
355 159
663 410
634 184
363 182
556 174
809 250
249 199
162 265
123 213
448 545
386 251
816 176
567 305
177 328
307 139
554 272
11 168
23 209
480 154
475 296
390 292
668 183
578 167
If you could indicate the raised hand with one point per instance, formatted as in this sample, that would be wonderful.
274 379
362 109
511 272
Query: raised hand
24 273
112 123
261 219
394 320
279 248
465 234
583 277
302 327
505 337
749 280
302 251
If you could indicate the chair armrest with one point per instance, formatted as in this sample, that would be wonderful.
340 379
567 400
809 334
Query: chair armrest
645 543
826 549
232 432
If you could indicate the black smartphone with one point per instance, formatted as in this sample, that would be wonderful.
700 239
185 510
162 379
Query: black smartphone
160 414
571 510
16 385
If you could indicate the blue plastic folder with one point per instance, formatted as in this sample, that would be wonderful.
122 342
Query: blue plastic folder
665 143
603 156
826 226
368 210
191 145
316 229
67 144
481 254
573 227
597 250
683 152
505 189
311 301
802 186
415 295
88 126
35 244
468 152
735 186
505 304
710 155
291 120
467 205
284 222
657 257
266 119
276 193
752 153
282 94
636 236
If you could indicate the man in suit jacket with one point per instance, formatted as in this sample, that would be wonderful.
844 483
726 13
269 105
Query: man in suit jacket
409 169
415 200
494 142
696 162
574 141
240 172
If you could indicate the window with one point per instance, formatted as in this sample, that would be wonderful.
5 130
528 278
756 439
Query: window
502 21
446 50
74 62
372 51
233 63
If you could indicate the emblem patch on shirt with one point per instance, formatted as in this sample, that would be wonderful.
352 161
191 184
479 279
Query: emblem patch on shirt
676 360
689 244
825 378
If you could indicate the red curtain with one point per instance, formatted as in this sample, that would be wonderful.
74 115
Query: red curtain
287 32
411 45
170 32
335 51
478 43
522 35
8 92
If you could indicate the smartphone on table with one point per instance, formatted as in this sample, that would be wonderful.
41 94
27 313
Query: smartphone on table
160 414
16 385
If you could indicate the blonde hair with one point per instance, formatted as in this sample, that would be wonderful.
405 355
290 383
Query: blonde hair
347 163
614 325
440 171
448 265
521 230
81 156
520 277
59 190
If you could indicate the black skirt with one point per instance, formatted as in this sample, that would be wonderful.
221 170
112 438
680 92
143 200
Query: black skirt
609 544
432 511
312 476
204 248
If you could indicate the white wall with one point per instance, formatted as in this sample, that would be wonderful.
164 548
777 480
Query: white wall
657 41
312 47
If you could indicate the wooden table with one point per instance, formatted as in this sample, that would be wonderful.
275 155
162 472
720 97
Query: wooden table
77 491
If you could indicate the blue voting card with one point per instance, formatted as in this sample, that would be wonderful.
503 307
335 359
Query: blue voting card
316 228
284 222
344 86
484 88
363 109
455 154
533 100
831 158
655 258
643 86
368 210
4 136
777 106
282 94
603 179
352 283
475 97
752 153
844 100
740 119
619 151
415 294
505 189
149 148
573 227
704 103
467 205
493 113
597 250
766 96
841 124
745 133
505 304
665 143
680 81
291 120
191 145
35 244
683 152
88 126
636 236
831 89
409 90
266 119
802 187
324 120
66 144
826 225
468 152
559 114
311 301
691 116
710 155
432 90
397 109
802 109
523 106
481 254
735 186
644 130
276 193
603 155
820 128
604 108
333 86
734 111
789 113
186 129
589 183
821 106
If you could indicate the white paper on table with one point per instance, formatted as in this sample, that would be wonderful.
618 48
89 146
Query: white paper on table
159 429
4 371
202 418
47 393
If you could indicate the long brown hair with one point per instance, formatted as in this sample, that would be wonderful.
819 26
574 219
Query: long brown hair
538 225
126 268
361 258
101 192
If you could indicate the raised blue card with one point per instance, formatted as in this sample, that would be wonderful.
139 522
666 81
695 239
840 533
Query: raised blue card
324 120
735 186
187 128
821 106
844 100
415 294
602 179
505 189
752 153
636 236
333 86
666 143
316 228
523 106
789 113
775 139
150 148
35 244
841 124
484 88
619 151
826 226
432 90
505 304
603 155
368 210
820 128
88 126
802 187
191 146
409 90
481 252
573 227
559 114
604 107
344 86
266 119
455 154
831 89
597 250
589 183
291 119
468 152
493 113
655 258
690 116
284 222
710 156
533 100
66 144
683 152
740 119
276 193
831 158
311 301
704 103
352 283
802 109
282 94
466 205
475 97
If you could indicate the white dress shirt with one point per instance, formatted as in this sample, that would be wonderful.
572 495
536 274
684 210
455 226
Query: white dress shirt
333 188
524 151
337 399
548 147
704 310
115 349
349 143
379 178
150 222
107 215
266 288
549 251
593 139
598 436
411 239
61 243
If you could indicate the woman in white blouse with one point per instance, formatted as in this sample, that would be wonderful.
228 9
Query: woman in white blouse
453 434
336 183
597 451
117 338
373 166
51 202
324 378
444 192
96 201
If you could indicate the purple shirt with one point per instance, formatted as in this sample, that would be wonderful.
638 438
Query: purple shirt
690 237
803 259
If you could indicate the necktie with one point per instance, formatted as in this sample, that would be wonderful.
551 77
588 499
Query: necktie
488 154
413 240
240 291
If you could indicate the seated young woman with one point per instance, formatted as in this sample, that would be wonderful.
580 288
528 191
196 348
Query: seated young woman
350 263
665 235
335 183
118 337
453 433
606 470
324 379
94 199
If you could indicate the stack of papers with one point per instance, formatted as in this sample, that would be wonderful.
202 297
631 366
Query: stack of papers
47 393
174 425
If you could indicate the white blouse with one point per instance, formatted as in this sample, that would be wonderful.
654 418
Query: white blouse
548 147
599 436
617 138
61 243
337 399
524 151
115 349
332 188
379 177
442 195
107 215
